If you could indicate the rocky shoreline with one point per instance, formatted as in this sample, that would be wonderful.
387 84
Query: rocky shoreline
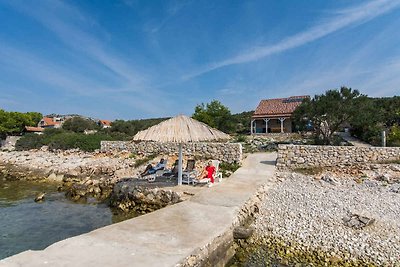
81 175
70 163
329 219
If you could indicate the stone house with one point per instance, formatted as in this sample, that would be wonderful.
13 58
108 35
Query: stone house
51 122
104 123
275 115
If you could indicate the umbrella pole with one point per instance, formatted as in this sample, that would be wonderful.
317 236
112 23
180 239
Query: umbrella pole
180 165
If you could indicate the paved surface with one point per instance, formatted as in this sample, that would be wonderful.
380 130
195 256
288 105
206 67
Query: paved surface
164 237
354 141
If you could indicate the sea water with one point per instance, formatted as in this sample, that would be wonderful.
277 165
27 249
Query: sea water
29 225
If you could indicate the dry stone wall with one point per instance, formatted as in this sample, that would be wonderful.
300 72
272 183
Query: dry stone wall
304 156
9 143
227 152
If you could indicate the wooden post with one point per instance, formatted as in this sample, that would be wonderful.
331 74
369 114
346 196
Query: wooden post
384 138
180 165
282 120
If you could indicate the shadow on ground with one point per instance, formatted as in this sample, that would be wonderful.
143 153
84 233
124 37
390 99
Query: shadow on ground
268 162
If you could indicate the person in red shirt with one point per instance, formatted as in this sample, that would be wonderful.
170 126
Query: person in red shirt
209 172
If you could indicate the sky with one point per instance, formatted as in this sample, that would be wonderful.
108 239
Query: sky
131 59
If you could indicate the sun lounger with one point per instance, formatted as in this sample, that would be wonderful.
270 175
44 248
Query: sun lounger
217 174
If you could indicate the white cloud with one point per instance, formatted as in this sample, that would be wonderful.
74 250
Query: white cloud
345 18
172 11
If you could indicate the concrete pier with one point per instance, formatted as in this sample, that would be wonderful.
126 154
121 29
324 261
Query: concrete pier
194 232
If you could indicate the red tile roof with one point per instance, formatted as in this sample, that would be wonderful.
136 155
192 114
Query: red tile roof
105 122
49 121
278 106
34 129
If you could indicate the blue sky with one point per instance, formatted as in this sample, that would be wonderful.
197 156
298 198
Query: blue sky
131 59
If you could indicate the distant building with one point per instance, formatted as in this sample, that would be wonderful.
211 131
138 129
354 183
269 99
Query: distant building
36 130
51 122
89 132
275 115
104 123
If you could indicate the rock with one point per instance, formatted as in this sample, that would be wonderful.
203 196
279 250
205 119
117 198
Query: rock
357 221
395 168
55 177
300 160
329 178
44 148
40 197
384 178
371 183
395 188
242 232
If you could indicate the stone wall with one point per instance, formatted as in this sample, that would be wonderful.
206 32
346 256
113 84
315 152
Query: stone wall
304 156
9 143
227 152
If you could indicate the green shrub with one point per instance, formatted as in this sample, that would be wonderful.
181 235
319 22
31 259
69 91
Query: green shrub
30 141
228 168
142 161
394 135
241 139
60 139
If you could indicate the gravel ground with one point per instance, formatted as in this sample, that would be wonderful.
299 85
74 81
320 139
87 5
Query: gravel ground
310 212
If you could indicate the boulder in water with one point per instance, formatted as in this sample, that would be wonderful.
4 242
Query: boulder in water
40 197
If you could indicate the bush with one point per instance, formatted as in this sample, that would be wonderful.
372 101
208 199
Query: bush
30 141
394 135
60 139
228 168
79 125
241 139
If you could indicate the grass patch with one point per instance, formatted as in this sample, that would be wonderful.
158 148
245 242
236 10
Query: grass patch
309 171
228 168
142 161
392 161
241 139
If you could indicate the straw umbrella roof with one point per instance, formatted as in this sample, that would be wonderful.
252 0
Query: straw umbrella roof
180 129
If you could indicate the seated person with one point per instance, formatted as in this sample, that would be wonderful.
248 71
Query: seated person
150 169
208 172
174 170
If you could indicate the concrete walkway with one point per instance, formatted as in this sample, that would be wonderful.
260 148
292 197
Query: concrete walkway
165 237
352 140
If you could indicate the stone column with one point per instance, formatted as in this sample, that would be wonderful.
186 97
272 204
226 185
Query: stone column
251 126
282 120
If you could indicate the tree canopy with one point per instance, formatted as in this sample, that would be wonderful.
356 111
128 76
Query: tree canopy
12 123
327 112
215 115
367 116
131 127
375 115
79 124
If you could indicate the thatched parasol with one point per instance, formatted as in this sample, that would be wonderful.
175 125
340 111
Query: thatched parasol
180 129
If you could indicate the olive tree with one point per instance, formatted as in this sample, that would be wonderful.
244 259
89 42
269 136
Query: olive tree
327 112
